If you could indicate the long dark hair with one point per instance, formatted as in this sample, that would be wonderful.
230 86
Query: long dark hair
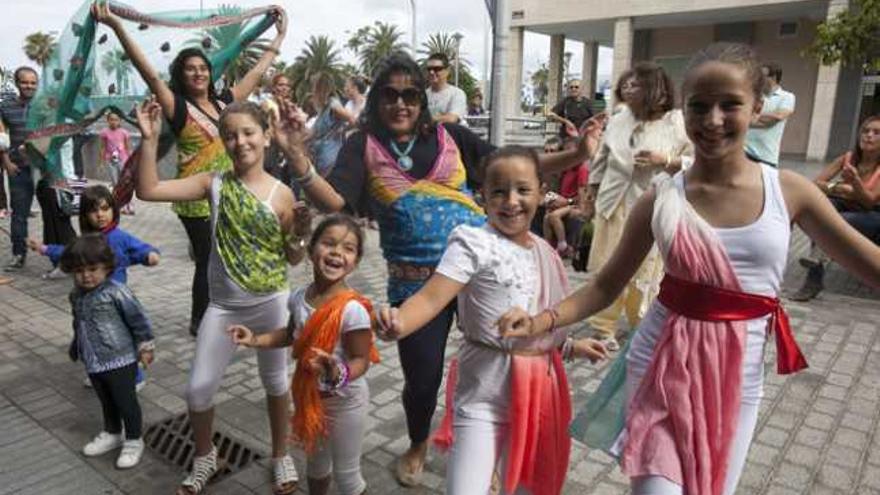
90 201
396 63
656 91
176 70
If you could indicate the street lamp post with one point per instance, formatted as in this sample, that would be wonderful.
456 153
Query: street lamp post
457 37
412 4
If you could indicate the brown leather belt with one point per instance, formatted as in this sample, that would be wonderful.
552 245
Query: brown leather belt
410 272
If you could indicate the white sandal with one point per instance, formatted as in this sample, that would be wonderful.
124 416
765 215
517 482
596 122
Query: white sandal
284 476
204 468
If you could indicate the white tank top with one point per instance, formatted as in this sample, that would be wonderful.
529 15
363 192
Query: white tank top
222 289
758 253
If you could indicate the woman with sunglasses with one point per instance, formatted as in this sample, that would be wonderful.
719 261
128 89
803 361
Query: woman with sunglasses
418 178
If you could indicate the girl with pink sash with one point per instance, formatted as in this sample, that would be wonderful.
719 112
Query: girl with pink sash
693 372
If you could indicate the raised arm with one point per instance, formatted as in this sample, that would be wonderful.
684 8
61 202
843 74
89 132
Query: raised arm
149 187
813 212
418 310
552 163
252 79
600 292
101 12
289 132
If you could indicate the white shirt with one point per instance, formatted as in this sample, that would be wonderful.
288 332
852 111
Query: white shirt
448 100
499 274
354 317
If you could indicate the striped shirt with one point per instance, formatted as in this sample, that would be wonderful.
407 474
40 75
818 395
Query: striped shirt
13 113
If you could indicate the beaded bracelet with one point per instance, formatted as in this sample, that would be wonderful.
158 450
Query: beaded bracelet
307 177
342 378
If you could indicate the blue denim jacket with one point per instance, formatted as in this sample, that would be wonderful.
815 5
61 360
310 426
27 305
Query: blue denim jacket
109 327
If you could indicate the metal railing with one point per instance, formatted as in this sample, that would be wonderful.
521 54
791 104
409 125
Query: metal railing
524 131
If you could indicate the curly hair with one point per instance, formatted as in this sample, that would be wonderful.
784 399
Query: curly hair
656 91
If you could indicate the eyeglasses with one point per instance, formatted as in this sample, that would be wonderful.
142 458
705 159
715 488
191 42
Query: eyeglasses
411 96
435 68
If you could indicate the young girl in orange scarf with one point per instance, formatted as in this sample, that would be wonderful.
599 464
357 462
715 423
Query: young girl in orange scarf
329 329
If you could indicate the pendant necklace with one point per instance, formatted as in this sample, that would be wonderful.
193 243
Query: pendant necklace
403 159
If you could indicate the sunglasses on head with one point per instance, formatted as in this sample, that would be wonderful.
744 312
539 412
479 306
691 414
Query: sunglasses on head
411 96
435 68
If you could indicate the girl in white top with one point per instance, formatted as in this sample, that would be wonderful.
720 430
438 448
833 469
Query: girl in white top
723 201
329 329
646 137
490 268
255 235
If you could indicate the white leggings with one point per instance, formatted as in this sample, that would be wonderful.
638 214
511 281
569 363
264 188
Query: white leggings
340 453
478 446
214 349
745 430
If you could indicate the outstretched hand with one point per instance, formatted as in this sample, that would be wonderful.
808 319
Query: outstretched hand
149 118
302 219
591 349
591 133
388 324
281 21
323 364
517 322
101 12
34 244
241 335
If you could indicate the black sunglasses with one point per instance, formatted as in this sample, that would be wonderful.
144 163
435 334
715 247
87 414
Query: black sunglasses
435 68
411 96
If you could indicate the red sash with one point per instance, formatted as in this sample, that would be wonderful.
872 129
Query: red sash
704 302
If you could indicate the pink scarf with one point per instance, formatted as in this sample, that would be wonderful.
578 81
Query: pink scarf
684 414
540 405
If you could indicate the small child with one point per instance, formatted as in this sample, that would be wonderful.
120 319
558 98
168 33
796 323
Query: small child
509 400
329 329
115 149
98 213
111 334
573 190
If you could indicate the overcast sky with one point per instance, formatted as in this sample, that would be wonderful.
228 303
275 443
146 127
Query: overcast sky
308 17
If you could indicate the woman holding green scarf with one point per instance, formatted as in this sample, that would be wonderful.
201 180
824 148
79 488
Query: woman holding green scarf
255 234
192 106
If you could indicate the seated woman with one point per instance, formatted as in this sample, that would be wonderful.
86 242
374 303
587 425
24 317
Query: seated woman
575 205
852 183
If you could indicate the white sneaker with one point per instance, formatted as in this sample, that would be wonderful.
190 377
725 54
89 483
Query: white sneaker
87 383
54 274
103 443
132 450
140 385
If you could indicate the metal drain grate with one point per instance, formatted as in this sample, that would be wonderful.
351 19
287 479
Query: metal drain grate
172 440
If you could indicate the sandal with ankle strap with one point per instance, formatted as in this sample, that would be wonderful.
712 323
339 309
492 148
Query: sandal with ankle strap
284 476
204 468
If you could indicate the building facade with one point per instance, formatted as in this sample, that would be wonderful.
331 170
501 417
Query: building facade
830 99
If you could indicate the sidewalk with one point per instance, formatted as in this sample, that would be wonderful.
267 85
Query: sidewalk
817 433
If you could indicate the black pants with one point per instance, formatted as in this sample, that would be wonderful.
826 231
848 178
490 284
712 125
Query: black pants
56 225
4 204
21 196
115 390
198 229
422 356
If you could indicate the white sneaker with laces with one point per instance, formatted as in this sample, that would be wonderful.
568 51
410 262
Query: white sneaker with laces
101 444
132 450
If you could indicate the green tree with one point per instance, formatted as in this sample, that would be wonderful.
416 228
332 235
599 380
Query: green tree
852 37
216 38
445 43
373 43
117 65
319 56
540 86
39 47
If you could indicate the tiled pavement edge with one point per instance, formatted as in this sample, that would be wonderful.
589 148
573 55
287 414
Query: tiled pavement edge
817 434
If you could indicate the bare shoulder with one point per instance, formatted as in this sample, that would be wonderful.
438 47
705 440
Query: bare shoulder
797 191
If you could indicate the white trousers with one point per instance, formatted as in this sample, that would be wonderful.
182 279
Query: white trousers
745 430
340 453
479 445
214 350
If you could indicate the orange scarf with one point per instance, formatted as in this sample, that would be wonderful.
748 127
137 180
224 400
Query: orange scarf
321 331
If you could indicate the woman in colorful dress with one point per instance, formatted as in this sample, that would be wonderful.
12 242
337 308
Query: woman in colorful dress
417 178
191 104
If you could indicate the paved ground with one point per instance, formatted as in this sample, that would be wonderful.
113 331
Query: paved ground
818 431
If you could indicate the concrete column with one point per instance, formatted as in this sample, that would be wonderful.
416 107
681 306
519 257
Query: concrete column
555 69
588 69
514 67
623 47
824 99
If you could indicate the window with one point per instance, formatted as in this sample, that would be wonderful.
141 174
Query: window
788 29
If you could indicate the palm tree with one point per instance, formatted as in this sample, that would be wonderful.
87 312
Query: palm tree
217 38
373 43
116 64
319 56
540 87
39 47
